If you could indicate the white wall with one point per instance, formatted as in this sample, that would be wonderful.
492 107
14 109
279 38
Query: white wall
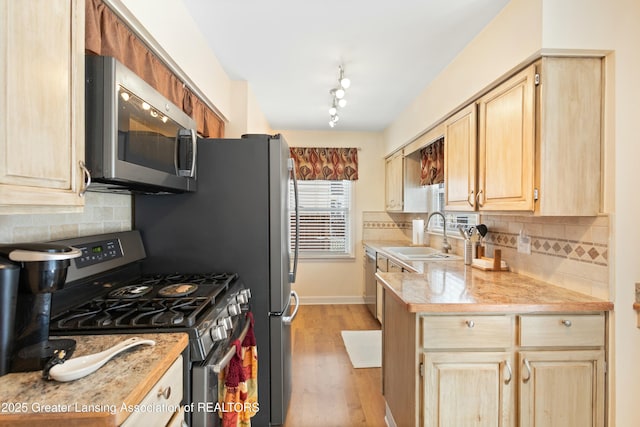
341 281
509 40
246 113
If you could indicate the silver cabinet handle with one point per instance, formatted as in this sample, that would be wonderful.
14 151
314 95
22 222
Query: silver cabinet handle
86 181
470 323
166 393
509 371
567 323
528 368
478 198
470 198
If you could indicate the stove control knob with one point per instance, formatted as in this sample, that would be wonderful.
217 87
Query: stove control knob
225 322
241 298
218 332
234 309
247 293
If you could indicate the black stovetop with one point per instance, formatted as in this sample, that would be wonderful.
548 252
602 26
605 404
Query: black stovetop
158 300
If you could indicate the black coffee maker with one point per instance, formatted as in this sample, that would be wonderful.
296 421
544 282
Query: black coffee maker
43 270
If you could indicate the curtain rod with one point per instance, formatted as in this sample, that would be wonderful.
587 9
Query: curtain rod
138 29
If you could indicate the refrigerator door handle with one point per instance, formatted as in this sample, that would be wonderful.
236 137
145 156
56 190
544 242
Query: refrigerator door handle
292 274
288 319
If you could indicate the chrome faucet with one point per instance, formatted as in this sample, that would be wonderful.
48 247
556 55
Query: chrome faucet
446 247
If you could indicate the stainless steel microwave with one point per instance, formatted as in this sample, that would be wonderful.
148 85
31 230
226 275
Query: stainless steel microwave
136 140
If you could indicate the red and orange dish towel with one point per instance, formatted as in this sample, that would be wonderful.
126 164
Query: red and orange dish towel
238 382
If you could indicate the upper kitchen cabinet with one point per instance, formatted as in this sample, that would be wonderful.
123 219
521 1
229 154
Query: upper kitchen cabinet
506 145
539 137
404 192
394 169
41 105
569 130
460 160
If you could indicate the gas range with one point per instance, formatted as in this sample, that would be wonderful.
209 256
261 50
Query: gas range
107 293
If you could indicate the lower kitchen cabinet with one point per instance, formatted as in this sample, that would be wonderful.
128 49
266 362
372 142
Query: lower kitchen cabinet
474 369
468 389
561 388
166 393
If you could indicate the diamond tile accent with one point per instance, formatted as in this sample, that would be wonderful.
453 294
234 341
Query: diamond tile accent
593 253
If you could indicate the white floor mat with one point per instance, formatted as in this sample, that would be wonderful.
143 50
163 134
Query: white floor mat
364 348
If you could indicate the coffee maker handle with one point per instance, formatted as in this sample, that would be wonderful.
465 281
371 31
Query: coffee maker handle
26 255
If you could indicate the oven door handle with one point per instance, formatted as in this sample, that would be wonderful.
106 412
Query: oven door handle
288 319
224 361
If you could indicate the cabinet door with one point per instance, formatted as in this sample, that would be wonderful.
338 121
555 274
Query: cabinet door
468 389
394 181
562 388
506 146
41 104
460 160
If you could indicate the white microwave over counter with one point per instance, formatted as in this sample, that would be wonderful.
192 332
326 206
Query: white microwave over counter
136 140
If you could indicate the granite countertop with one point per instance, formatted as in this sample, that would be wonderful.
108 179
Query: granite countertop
100 398
451 287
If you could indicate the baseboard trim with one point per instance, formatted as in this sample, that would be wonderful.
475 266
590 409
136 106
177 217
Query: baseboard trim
330 300
388 416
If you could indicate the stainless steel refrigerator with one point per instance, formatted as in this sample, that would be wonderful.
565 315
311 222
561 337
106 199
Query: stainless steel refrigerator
237 221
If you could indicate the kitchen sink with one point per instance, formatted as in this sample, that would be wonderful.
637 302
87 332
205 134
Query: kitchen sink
419 253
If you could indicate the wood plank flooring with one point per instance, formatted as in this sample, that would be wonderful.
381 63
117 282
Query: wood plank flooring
327 390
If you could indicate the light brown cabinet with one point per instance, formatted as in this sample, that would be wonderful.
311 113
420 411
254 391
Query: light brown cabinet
41 105
531 144
461 159
533 370
506 145
394 182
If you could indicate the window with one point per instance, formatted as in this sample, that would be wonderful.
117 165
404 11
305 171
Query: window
454 219
325 219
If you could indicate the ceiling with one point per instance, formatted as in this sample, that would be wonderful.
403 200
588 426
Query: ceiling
289 52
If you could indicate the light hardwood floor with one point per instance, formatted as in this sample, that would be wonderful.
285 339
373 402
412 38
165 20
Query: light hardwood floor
327 390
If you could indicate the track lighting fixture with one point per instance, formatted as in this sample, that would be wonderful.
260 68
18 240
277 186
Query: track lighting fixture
338 96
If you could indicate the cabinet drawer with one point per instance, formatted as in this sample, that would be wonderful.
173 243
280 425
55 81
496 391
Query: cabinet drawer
395 268
471 331
167 391
381 262
562 330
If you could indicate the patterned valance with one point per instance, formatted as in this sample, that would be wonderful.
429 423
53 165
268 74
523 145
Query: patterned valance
333 164
432 163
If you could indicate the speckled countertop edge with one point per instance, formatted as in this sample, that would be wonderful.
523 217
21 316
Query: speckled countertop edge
125 380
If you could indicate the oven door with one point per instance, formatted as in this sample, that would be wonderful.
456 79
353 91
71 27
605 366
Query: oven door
205 391
204 382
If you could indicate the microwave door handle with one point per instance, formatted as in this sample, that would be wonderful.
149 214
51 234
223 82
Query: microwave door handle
190 173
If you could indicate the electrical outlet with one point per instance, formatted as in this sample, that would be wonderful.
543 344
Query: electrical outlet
524 243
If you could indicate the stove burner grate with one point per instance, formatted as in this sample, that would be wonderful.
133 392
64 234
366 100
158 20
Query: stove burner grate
133 291
178 290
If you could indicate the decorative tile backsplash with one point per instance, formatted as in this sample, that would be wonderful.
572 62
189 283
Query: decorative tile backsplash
572 252
589 252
